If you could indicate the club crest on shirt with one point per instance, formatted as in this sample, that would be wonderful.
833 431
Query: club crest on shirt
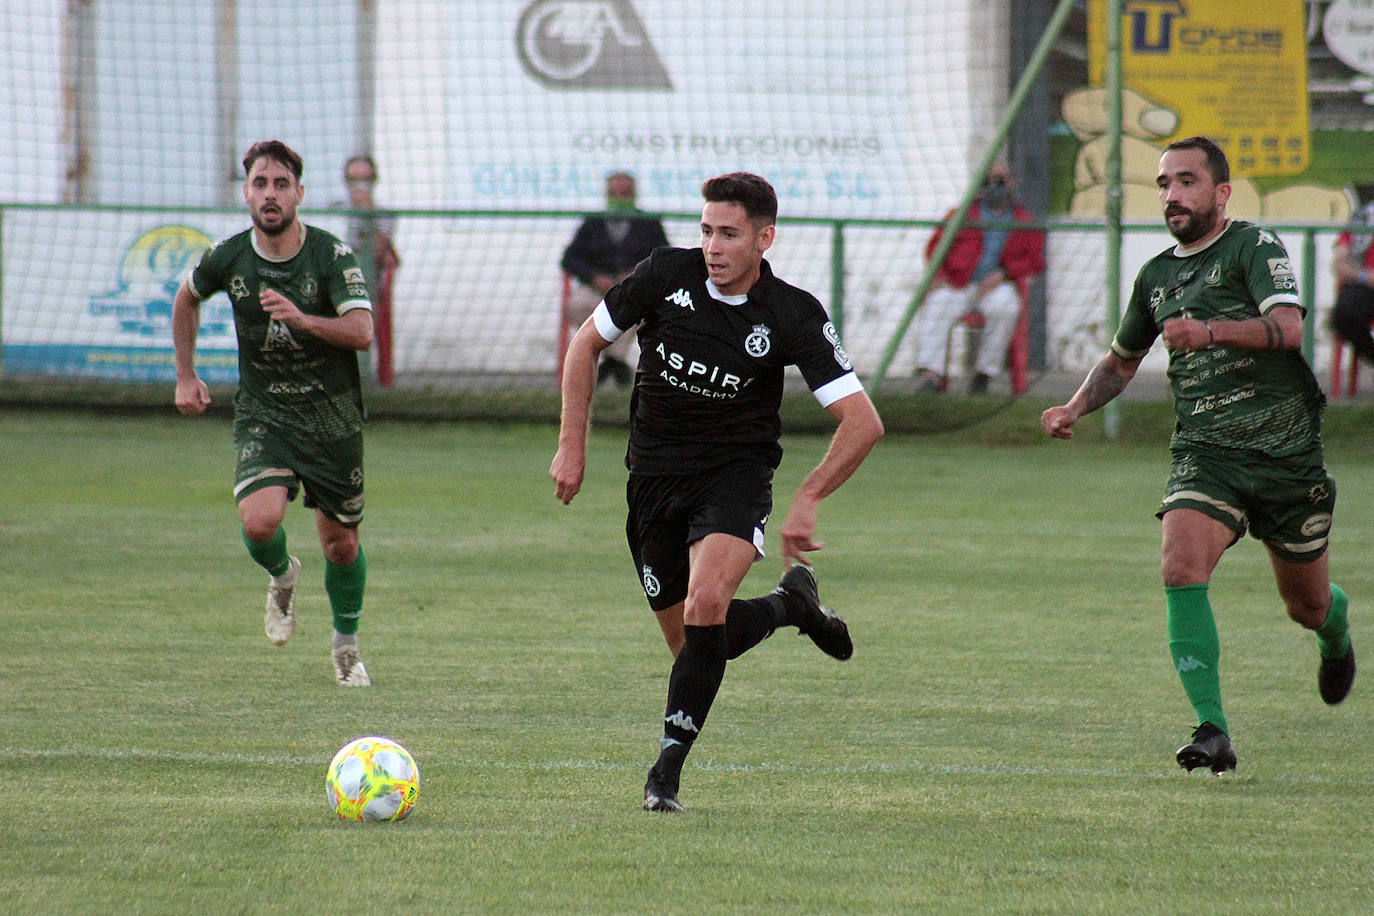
759 343
1156 298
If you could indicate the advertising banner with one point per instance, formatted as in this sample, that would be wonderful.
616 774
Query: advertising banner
1234 72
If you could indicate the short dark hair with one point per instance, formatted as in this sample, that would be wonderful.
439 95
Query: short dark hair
277 151
1216 159
753 193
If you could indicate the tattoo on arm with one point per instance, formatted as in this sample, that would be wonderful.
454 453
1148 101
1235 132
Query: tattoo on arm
1101 385
1273 332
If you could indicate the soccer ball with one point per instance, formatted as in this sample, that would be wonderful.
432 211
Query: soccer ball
372 779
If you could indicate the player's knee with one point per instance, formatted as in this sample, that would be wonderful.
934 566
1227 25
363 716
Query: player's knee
1308 611
1180 570
259 527
340 549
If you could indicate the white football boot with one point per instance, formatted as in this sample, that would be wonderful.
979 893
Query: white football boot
348 667
280 621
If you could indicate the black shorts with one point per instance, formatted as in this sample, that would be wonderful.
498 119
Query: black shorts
667 514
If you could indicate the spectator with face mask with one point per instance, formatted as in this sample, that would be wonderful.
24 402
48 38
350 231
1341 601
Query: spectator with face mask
603 251
983 272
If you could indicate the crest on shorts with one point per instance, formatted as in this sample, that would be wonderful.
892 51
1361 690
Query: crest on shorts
759 343
651 586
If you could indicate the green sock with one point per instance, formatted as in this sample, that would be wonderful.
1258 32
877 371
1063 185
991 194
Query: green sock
344 585
1333 636
271 554
1196 650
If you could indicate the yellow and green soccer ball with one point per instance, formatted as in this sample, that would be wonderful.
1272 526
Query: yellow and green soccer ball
372 779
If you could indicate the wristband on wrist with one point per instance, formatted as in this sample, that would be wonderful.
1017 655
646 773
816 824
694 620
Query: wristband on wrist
1211 335
1364 275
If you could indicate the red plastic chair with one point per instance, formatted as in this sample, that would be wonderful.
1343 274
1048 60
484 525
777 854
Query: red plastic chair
1352 380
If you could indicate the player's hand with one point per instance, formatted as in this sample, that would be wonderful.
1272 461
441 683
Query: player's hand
192 396
799 532
1058 422
1181 335
567 470
280 308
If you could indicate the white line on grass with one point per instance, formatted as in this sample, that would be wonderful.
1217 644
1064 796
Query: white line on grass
834 769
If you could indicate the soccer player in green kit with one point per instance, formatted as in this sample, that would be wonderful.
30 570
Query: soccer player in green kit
1246 447
301 311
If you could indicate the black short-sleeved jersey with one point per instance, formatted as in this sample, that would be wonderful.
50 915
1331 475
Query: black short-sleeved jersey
710 378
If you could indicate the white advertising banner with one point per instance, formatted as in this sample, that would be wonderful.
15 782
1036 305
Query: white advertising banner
542 98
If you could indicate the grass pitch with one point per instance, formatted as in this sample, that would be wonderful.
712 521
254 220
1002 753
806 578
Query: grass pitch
1002 740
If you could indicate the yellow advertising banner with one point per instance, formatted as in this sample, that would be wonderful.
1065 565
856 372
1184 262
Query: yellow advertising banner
1232 70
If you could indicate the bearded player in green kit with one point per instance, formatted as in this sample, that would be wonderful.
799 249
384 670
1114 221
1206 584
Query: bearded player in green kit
301 311
1246 447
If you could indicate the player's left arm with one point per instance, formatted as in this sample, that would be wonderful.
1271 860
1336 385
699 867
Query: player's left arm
351 330
859 430
1272 286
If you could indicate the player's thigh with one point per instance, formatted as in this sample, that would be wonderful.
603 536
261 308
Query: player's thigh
264 479
1294 505
332 475
1191 545
668 514
1204 511
656 530
719 563
261 511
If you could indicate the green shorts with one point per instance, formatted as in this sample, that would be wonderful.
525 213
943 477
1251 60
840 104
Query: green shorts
1285 502
330 472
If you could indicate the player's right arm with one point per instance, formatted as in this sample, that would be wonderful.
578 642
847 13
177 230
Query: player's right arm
579 382
192 395
1105 381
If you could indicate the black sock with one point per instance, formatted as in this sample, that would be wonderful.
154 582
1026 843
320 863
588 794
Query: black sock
692 687
749 621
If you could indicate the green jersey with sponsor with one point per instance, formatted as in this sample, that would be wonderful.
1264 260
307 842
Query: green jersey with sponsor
290 379
1265 401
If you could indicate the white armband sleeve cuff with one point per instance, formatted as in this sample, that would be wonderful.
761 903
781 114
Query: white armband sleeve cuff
841 387
604 325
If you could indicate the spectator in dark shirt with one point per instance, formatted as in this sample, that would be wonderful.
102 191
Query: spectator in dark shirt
606 247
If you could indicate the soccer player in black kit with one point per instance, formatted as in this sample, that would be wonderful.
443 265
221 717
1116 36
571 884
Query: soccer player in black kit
716 330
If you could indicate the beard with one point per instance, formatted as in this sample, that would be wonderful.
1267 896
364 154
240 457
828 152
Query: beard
1196 225
273 229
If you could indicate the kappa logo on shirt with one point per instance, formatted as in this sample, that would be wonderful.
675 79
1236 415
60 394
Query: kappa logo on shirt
681 298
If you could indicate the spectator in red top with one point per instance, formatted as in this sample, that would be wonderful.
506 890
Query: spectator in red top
1354 268
983 272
